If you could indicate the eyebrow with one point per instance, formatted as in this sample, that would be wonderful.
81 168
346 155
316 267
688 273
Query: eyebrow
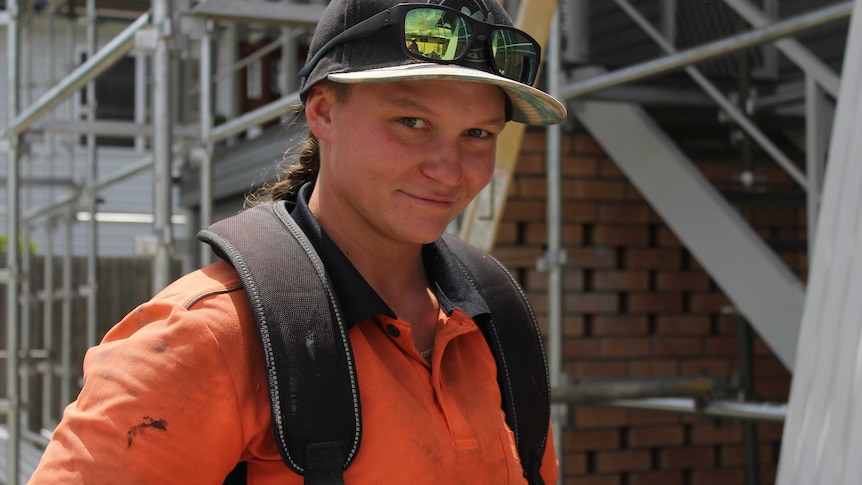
403 102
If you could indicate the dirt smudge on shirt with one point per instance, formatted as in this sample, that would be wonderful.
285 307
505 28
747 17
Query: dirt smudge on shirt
148 422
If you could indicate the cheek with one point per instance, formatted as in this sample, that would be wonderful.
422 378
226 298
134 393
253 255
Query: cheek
479 174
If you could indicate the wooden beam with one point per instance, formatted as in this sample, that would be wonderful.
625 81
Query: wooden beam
482 216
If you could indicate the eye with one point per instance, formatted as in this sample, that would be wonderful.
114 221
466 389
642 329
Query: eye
478 133
416 123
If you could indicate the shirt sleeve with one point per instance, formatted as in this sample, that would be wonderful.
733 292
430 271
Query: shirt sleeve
159 405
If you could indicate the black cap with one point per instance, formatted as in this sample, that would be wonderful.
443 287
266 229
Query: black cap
380 57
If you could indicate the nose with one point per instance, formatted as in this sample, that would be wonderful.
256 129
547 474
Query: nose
445 163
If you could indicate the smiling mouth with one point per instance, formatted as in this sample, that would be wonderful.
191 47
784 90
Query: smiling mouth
431 199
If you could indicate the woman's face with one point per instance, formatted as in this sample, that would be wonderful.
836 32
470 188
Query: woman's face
399 161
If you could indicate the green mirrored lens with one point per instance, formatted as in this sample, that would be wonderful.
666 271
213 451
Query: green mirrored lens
515 55
436 34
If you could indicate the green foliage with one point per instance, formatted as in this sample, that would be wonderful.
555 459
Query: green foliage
3 242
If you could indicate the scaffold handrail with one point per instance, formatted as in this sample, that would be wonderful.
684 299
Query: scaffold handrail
92 67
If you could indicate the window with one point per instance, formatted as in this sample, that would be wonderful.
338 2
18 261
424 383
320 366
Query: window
115 97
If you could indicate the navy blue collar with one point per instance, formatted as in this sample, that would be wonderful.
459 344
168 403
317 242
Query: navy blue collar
358 300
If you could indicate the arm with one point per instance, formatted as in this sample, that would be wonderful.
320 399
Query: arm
158 405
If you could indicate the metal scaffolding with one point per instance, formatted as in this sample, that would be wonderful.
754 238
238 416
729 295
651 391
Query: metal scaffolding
156 37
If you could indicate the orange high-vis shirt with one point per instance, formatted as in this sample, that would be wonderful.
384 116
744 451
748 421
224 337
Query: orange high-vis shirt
176 393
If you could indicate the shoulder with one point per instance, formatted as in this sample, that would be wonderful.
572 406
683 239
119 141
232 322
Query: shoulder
211 299
211 281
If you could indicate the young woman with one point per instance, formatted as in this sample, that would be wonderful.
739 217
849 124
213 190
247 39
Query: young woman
398 145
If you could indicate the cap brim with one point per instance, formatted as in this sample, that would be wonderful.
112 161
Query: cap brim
529 105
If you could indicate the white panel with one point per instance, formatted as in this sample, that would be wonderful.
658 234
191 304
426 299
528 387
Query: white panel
822 438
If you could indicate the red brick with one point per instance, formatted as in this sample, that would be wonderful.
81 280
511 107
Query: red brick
767 472
593 257
583 144
594 480
687 458
539 301
523 210
648 258
592 439
624 347
717 476
682 325
574 211
652 418
573 280
621 461
732 456
772 175
599 370
657 436
657 478
507 234
768 453
682 281
610 170
706 367
530 188
710 303
717 172
653 368
655 302
769 431
575 463
721 347
714 434
534 141
621 235
621 280
773 390
619 325
727 324
677 347
580 348
573 326
625 213
667 239
537 234
591 302
774 217
632 194
530 164
597 190
769 367
579 166
518 256
589 417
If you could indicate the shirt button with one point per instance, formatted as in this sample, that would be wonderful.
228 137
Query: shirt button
393 330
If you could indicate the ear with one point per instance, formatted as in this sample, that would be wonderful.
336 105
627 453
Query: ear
318 110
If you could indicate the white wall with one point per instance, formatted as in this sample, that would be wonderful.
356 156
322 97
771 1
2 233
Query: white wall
61 156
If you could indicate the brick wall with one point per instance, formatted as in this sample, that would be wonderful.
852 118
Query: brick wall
637 304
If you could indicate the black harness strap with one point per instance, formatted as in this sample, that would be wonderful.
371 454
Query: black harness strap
314 395
313 391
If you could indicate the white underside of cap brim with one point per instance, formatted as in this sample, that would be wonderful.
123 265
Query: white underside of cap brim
530 105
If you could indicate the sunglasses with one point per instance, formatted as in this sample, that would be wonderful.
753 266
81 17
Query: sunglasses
446 36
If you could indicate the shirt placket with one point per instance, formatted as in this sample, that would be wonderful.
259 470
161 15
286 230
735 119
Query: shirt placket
460 430
448 330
